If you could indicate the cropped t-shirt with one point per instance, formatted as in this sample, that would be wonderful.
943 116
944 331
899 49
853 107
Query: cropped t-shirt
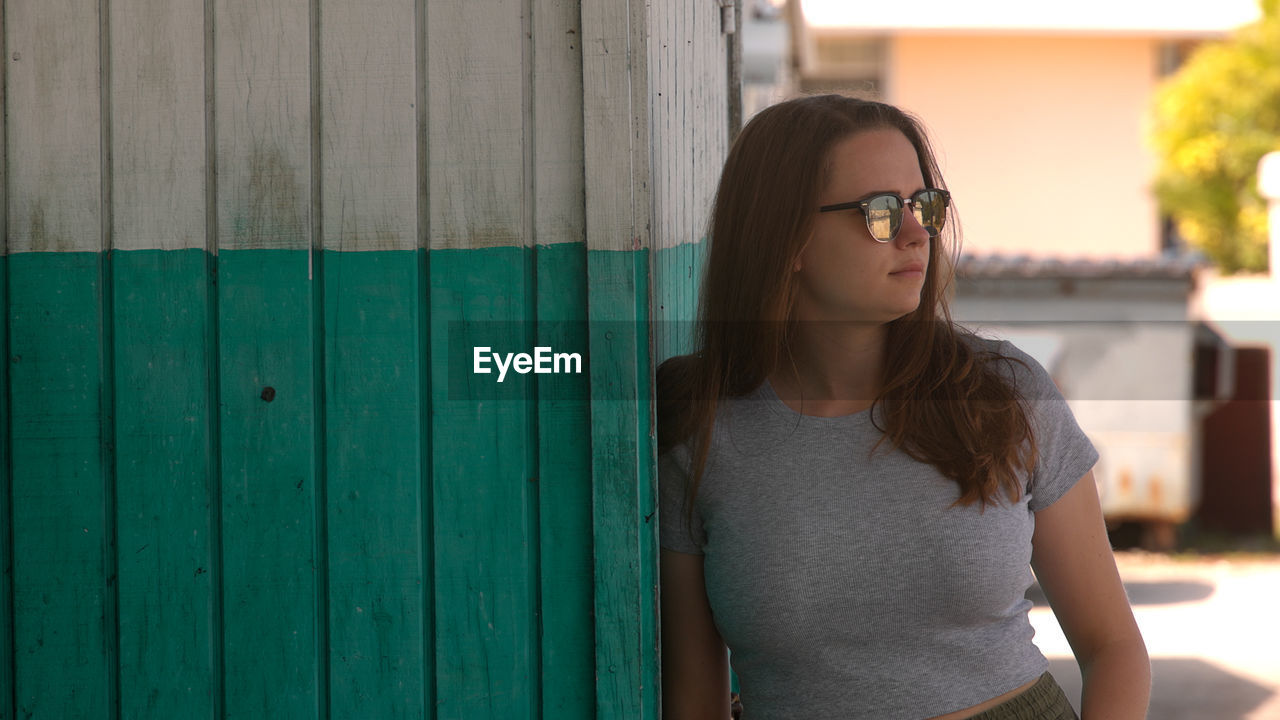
848 586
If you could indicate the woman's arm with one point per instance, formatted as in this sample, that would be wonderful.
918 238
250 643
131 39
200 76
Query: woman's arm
1073 562
695 663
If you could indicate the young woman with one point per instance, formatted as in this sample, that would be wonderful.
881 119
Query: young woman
853 489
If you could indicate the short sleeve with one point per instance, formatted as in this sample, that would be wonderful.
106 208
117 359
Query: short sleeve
674 532
1065 453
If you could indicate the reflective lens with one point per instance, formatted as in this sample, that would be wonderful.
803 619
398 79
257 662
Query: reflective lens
930 209
884 216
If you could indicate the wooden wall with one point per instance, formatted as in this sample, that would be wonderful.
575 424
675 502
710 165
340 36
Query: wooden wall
245 467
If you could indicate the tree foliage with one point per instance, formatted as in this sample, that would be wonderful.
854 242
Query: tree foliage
1212 121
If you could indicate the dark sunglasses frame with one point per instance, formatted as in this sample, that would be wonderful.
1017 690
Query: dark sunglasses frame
913 201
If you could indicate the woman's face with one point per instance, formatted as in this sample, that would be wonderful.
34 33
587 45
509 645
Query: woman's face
844 273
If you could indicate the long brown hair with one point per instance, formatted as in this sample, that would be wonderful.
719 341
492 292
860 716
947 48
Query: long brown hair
943 404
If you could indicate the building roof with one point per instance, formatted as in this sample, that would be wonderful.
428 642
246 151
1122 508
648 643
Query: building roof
1192 18
1023 266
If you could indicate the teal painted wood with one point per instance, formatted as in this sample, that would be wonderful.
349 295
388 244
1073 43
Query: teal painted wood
646 482
270 540
483 488
512 559
677 277
426 479
373 507
626 667
60 536
6 507
564 490
164 490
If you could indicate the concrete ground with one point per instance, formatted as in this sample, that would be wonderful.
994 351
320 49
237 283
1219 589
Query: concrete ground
1212 628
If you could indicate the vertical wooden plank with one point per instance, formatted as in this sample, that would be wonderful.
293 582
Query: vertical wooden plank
369 126
427 447
670 154
168 564
62 659
370 275
485 126
261 98
272 591
564 490
616 147
53 144
690 143
272 653
157 121
555 79
4 157
615 125
6 484
482 484
626 664
646 480
689 126
167 571
372 460
476 123
62 650
563 408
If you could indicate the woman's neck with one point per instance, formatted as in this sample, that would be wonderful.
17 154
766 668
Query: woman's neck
834 369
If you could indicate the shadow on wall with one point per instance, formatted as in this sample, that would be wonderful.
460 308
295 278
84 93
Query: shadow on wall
1182 689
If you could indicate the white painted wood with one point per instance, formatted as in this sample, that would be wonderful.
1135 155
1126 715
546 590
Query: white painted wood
688 117
557 123
615 125
262 124
368 125
157 124
476 84
689 129
4 158
54 143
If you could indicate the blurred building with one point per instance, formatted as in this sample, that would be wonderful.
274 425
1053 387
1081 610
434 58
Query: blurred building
1037 108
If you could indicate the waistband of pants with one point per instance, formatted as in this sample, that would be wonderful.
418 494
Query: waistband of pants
1043 701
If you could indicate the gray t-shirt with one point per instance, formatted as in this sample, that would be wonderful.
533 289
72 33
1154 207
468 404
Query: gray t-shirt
848 586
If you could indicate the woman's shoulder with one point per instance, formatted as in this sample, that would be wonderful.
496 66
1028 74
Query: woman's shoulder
687 409
1012 363
983 344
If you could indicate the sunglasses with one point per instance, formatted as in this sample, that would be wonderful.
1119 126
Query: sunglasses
884 212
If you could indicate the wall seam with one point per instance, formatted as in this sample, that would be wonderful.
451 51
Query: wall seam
111 596
425 416
532 441
8 667
316 275
217 641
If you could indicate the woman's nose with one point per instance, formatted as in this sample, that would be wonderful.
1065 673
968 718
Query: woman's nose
911 232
